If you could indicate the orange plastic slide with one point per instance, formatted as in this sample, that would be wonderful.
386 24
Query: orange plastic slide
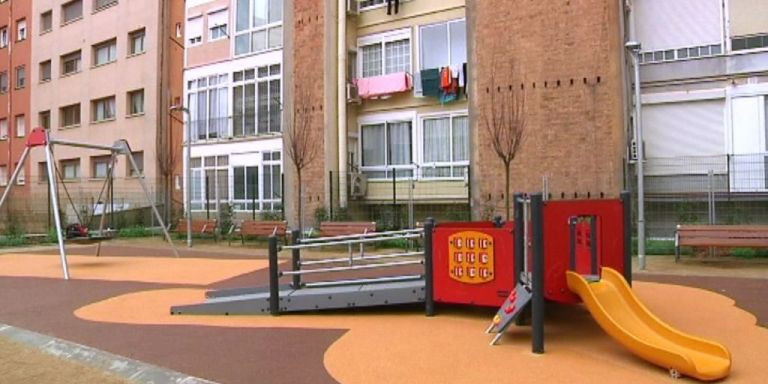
621 315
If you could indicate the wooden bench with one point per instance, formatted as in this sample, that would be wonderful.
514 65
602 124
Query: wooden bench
200 227
341 228
261 229
749 236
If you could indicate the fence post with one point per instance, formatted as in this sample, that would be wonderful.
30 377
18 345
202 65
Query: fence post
537 222
274 290
429 294
296 257
395 221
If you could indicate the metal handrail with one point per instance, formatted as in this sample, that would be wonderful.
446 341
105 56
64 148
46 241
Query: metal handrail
371 257
352 241
351 268
383 279
359 235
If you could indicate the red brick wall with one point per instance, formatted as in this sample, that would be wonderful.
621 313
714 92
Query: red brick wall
567 57
308 57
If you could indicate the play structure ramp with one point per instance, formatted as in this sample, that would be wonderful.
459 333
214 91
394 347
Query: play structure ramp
256 301
612 303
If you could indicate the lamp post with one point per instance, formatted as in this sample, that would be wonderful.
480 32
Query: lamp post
188 172
634 48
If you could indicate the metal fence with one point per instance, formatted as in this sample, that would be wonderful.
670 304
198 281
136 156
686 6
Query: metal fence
726 189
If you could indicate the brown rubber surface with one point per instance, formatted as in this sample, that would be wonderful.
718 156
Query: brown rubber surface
124 316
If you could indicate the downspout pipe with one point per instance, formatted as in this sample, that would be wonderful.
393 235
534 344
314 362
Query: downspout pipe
341 44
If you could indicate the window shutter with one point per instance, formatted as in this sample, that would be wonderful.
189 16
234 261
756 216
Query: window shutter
218 18
665 24
195 27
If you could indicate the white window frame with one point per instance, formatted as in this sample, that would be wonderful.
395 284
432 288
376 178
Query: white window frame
193 88
448 31
388 118
197 38
382 39
21 29
3 175
21 178
419 150
20 123
4 37
266 28
256 81
383 4
105 103
213 27
4 128
135 35
198 176
111 47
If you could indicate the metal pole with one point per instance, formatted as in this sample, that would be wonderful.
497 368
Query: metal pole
56 214
135 167
626 202
395 221
207 198
274 290
296 257
537 222
635 50
12 181
429 285
330 194
519 240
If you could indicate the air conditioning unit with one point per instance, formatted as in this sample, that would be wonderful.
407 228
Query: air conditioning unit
352 95
353 7
358 185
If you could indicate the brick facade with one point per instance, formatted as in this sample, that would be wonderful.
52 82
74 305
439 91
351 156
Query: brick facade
567 59
305 80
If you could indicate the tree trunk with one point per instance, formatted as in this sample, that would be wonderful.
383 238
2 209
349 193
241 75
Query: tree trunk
300 200
506 189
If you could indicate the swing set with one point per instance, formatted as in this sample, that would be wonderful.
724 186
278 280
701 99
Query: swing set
78 233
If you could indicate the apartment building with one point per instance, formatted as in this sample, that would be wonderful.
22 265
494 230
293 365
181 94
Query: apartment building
15 47
233 95
394 95
103 70
705 94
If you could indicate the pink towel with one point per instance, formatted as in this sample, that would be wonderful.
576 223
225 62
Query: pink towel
371 87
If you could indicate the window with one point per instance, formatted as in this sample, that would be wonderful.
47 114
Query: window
386 147
103 109
443 44
208 104
46 21
3 175
45 71
385 54
105 53
258 25
21 126
21 178
136 102
138 157
749 42
21 30
3 129
195 31
3 37
69 116
136 41
210 181
246 188
272 188
217 25
71 11
70 169
256 101
21 77
99 4
445 147
3 82
100 166
370 3
70 63
44 119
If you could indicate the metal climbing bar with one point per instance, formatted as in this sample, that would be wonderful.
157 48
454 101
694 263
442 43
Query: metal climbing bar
351 267
370 257
359 235
383 279
353 241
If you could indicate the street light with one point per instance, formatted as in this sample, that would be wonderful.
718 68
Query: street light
188 208
634 48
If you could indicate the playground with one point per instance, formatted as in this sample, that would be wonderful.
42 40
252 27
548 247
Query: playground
130 301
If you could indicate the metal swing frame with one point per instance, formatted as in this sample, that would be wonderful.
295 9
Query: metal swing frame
39 137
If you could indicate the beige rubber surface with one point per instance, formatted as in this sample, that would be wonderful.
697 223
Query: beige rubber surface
138 269
407 347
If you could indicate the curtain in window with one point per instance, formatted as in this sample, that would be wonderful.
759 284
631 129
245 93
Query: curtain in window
202 114
250 109
237 111
263 111
217 126
437 140
371 60
398 56
374 145
400 143
461 138
274 106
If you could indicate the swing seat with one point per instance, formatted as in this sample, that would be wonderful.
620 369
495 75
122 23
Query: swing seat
94 237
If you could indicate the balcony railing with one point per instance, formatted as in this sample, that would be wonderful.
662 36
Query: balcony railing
227 128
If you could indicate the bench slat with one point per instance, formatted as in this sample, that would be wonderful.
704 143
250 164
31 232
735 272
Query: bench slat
341 228
723 242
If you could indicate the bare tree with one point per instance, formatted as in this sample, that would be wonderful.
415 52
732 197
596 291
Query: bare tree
504 121
300 147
